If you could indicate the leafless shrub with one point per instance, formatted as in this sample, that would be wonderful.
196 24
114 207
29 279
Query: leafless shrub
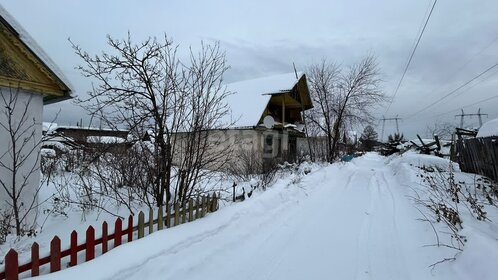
447 198
5 225
19 164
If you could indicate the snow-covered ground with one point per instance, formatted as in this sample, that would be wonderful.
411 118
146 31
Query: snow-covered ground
343 221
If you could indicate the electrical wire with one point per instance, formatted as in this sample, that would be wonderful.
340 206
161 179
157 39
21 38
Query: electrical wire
469 105
411 57
453 91
464 65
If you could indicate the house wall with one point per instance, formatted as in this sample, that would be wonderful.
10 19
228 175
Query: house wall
232 145
31 150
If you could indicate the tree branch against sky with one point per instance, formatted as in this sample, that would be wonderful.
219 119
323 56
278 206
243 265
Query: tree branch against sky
145 87
343 98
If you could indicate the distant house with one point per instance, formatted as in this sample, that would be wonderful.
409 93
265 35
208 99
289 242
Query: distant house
85 135
85 139
265 118
28 80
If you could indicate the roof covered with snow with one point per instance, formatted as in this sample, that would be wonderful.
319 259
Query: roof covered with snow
23 35
489 129
249 98
75 127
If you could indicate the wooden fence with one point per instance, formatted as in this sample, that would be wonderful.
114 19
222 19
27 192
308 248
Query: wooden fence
478 155
189 211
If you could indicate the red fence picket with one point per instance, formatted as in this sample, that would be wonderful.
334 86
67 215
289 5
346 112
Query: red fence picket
55 254
74 249
11 265
90 243
13 269
118 226
35 259
104 237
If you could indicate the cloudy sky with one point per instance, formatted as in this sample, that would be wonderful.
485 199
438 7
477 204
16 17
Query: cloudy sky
262 38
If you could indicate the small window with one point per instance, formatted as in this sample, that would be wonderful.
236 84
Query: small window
269 140
268 148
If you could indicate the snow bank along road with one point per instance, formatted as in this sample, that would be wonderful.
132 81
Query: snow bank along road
344 221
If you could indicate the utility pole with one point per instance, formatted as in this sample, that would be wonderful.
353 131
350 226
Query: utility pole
384 119
463 115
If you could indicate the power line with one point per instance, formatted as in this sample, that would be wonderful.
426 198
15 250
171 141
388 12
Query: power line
463 115
466 106
384 119
411 56
477 83
464 65
453 91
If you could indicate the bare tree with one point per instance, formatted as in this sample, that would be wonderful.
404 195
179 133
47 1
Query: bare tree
147 88
19 164
343 98
442 129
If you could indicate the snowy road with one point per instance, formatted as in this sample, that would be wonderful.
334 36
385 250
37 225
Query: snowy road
350 221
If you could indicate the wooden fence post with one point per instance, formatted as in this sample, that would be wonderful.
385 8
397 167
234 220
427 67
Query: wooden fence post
90 244
55 254
140 224
130 228
73 254
35 259
218 201
213 203
203 207
184 212
118 226
197 209
11 265
190 210
168 215
176 214
160 219
104 237
151 220
208 204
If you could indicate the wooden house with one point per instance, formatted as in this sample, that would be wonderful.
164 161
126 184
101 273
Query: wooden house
265 119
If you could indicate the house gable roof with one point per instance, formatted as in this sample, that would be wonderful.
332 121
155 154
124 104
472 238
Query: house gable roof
24 65
249 99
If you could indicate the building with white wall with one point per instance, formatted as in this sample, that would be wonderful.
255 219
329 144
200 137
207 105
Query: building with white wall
28 80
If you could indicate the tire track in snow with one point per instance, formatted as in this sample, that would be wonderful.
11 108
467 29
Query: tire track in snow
350 179
364 266
208 236
399 256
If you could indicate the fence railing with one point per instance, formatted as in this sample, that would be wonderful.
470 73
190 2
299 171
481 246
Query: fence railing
173 215
478 155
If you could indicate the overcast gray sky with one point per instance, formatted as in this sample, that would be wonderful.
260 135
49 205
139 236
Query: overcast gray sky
264 37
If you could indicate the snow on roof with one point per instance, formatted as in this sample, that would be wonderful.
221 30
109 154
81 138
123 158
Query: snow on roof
249 98
489 129
33 46
105 139
49 127
89 128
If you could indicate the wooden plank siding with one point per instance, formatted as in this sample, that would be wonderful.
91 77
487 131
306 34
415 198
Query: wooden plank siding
478 155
